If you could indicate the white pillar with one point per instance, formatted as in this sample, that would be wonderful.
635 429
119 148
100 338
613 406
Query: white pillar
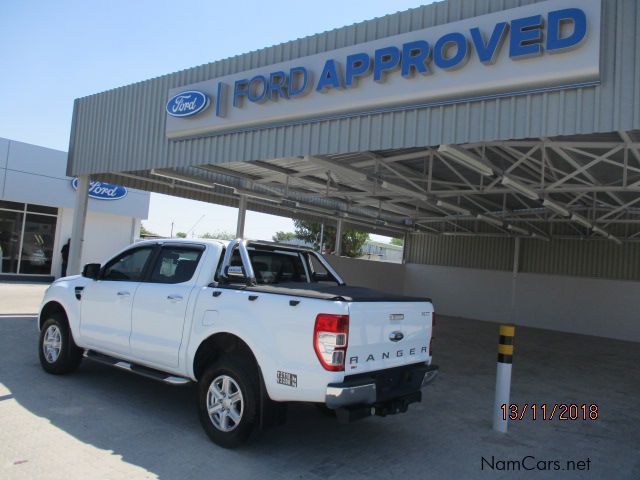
135 229
338 247
514 278
242 213
501 403
74 266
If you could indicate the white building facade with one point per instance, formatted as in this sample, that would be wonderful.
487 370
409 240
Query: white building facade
36 213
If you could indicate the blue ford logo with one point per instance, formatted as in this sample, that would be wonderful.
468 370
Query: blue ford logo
103 191
396 336
187 103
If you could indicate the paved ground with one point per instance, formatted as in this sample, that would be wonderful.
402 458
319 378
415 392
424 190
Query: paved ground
102 423
21 298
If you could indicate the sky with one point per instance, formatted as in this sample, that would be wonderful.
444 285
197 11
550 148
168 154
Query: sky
52 52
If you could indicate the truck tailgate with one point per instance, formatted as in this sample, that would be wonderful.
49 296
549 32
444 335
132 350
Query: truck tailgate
387 334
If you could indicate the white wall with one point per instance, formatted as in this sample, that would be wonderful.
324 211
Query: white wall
104 235
607 308
384 276
590 306
461 292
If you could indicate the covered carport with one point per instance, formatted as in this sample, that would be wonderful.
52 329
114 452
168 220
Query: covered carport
514 179
564 208
518 201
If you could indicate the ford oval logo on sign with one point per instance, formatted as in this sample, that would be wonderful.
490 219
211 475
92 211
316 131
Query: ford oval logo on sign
187 103
103 191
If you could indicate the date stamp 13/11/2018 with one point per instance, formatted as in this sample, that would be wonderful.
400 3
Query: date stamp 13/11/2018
550 411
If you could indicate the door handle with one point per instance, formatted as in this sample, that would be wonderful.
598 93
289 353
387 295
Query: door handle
175 298
124 294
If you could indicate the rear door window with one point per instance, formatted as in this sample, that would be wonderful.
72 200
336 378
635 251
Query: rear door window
175 264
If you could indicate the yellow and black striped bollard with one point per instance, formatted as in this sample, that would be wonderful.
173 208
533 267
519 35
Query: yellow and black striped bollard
503 377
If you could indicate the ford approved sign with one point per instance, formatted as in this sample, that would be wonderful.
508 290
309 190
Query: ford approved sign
103 191
542 46
185 104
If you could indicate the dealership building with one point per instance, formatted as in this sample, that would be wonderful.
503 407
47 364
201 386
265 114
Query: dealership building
501 139
36 213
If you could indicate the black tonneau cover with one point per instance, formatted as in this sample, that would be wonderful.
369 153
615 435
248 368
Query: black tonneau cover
321 291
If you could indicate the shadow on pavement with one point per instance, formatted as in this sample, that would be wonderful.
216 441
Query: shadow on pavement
155 426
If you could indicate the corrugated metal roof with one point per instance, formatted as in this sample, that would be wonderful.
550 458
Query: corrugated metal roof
123 129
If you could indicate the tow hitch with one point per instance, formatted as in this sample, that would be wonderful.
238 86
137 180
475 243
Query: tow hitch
381 409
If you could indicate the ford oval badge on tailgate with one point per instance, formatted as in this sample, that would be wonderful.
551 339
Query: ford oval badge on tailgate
396 336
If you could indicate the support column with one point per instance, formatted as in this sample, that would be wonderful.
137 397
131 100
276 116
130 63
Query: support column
338 247
514 277
135 229
77 230
405 247
242 213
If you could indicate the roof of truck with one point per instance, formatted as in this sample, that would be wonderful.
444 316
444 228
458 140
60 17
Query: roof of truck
224 243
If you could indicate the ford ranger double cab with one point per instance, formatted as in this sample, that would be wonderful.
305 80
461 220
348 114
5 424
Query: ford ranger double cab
255 324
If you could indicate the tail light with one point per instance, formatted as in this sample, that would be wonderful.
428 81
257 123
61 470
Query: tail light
433 333
330 340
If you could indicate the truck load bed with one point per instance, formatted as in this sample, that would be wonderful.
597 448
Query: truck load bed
346 293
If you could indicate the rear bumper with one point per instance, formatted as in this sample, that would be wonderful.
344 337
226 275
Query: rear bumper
380 389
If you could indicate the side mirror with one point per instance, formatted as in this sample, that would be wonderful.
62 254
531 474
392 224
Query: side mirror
91 270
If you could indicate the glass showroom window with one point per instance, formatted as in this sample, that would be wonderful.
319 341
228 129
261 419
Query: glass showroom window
27 234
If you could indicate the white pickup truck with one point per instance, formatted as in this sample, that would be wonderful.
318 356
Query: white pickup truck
255 324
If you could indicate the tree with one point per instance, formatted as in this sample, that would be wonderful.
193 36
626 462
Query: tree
284 236
397 241
146 233
352 240
181 235
219 235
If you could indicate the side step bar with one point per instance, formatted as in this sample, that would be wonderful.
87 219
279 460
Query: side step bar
137 369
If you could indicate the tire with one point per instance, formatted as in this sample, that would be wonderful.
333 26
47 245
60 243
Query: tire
236 416
58 353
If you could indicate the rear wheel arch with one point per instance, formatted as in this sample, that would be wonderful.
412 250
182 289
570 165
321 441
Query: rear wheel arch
219 345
